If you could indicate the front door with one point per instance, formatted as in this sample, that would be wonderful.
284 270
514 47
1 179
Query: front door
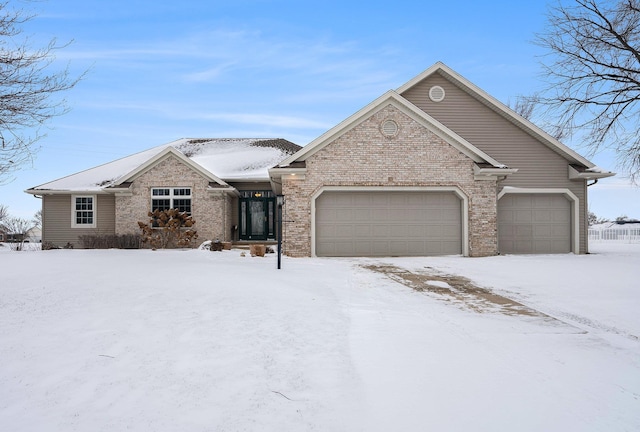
257 215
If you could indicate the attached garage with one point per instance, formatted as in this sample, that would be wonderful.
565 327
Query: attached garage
388 223
534 223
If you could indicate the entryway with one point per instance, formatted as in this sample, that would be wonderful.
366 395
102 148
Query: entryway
257 215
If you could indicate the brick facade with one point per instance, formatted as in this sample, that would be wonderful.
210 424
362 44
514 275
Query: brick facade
211 211
413 157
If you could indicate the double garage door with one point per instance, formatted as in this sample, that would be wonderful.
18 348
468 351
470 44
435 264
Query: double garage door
534 224
398 223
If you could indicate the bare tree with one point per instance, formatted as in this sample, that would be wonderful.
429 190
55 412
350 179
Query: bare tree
529 108
37 219
17 230
593 70
28 90
4 212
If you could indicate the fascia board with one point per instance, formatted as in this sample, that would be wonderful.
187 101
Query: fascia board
494 171
422 75
162 156
588 175
66 192
276 174
280 171
229 190
471 88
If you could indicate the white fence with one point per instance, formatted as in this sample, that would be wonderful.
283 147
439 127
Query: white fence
618 234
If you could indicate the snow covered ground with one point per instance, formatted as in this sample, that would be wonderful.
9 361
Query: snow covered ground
109 340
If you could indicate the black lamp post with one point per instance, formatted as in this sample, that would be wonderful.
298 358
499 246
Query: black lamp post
279 202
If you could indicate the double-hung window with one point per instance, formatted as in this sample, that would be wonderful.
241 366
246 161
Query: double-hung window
171 198
83 211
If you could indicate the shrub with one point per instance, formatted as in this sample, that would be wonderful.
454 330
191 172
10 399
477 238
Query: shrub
168 228
110 241
49 246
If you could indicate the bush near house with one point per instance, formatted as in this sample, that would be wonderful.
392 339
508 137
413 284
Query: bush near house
168 229
111 241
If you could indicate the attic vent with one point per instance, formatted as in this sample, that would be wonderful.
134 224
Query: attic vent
436 94
389 128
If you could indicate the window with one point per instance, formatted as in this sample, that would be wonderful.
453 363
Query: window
170 198
83 211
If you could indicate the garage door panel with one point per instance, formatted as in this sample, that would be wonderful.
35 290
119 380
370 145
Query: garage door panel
388 224
359 231
534 223
402 231
378 214
358 214
523 216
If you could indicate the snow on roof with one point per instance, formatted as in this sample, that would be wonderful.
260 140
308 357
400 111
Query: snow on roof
226 158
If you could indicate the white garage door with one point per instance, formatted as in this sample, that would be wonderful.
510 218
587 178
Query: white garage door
388 224
534 223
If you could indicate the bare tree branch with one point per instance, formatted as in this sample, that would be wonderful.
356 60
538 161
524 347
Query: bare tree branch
28 88
593 70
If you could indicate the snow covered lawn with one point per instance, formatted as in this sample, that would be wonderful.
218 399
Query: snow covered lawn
108 340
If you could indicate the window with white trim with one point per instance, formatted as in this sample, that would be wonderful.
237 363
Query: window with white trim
83 211
166 198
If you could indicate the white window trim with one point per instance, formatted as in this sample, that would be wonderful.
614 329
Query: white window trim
95 211
171 196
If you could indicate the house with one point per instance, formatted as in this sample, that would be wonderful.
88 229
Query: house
436 167
34 235
222 183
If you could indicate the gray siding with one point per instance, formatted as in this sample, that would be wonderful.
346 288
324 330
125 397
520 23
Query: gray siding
538 165
56 219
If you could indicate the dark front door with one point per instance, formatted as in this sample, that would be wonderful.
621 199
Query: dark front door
257 215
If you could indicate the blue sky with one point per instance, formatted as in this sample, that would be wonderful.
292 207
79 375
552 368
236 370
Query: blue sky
159 71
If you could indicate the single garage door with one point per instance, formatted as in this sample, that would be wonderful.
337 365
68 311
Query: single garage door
388 223
534 224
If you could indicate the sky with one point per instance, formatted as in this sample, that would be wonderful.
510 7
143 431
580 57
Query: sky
157 71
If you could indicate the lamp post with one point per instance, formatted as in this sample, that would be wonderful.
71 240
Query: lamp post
279 202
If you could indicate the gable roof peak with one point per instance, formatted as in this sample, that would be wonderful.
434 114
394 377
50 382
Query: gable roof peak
391 97
497 106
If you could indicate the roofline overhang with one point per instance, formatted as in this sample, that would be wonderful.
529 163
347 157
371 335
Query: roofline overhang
228 190
245 179
65 192
277 174
588 174
492 173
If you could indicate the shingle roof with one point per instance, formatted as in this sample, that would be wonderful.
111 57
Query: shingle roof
226 158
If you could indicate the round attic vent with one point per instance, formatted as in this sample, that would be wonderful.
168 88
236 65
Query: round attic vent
436 93
389 128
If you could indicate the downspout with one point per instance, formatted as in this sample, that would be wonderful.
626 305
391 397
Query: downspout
224 218
587 251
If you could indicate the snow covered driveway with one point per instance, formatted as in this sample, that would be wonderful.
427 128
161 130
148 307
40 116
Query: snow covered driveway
203 341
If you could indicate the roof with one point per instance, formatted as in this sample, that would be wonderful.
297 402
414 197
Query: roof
226 159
